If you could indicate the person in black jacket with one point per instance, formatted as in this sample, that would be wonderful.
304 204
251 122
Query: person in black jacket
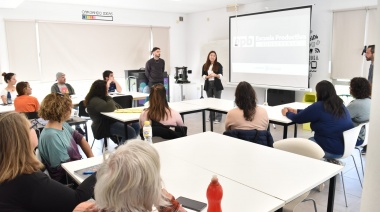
23 187
212 72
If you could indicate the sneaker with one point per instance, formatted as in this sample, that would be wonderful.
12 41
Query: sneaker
216 122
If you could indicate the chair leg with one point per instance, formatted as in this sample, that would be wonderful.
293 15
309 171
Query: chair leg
92 143
356 167
344 188
361 159
315 205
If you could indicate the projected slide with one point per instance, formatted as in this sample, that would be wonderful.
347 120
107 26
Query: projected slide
271 48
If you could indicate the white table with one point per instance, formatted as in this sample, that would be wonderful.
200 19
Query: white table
278 173
274 113
6 108
135 95
188 180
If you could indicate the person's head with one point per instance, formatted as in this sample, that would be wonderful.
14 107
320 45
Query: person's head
56 107
156 52
212 58
61 78
331 101
360 88
245 99
107 74
370 53
23 88
17 143
129 180
98 89
10 78
158 105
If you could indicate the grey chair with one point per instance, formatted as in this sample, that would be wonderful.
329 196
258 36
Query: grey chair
305 147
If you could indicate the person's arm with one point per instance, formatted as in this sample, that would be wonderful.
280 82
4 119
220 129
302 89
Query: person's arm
55 88
309 114
4 99
86 148
50 195
143 117
178 118
147 69
228 121
118 87
37 104
71 89
101 105
163 67
353 110
220 71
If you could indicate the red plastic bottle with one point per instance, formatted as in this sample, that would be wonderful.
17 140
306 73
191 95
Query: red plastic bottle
214 195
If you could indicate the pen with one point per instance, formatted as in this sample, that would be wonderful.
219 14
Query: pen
89 172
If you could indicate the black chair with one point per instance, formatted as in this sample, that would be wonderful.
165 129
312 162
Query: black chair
166 132
82 110
123 101
31 115
262 137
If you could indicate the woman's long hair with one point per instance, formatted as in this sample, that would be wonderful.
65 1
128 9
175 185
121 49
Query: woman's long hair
215 66
331 101
245 99
98 89
158 106
16 151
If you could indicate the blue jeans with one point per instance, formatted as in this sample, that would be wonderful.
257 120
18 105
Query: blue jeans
328 155
117 128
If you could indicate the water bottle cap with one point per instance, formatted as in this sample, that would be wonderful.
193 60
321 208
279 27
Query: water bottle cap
214 178
146 122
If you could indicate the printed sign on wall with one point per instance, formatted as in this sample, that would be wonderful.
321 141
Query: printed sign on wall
97 15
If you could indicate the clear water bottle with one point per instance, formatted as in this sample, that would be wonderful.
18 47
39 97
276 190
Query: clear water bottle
147 132
9 98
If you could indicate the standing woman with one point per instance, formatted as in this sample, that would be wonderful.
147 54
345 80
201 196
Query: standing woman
212 72
24 102
328 118
10 79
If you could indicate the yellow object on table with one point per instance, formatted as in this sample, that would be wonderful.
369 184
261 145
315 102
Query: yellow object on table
130 110
309 97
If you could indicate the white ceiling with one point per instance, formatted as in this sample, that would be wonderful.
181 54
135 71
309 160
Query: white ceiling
176 6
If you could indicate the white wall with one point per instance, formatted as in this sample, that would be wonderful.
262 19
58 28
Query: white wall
72 13
213 25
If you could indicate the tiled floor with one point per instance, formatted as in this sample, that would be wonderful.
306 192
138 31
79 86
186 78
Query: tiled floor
352 184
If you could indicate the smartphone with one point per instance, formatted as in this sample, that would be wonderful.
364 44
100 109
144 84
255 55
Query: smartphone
191 204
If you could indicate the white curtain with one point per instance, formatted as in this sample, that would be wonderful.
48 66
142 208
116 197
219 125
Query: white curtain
347 44
22 49
84 51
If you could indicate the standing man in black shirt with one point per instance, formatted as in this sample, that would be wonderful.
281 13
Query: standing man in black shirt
155 68
370 56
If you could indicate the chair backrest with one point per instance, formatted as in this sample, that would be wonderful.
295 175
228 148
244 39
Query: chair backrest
82 110
262 137
31 115
300 146
350 138
365 142
124 101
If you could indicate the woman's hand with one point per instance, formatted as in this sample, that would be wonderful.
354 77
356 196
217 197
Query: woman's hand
86 207
284 111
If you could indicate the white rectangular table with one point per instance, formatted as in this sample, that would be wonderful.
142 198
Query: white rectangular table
280 174
185 179
274 113
6 108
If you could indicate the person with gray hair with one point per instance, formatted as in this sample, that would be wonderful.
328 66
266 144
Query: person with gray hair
61 86
129 180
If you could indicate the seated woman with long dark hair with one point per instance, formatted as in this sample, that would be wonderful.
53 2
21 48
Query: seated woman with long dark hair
247 116
329 119
159 109
23 187
97 101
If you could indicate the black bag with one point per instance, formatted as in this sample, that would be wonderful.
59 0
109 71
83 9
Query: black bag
165 131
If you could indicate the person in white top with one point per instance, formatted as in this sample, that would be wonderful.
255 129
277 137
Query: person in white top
159 109
10 79
212 72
